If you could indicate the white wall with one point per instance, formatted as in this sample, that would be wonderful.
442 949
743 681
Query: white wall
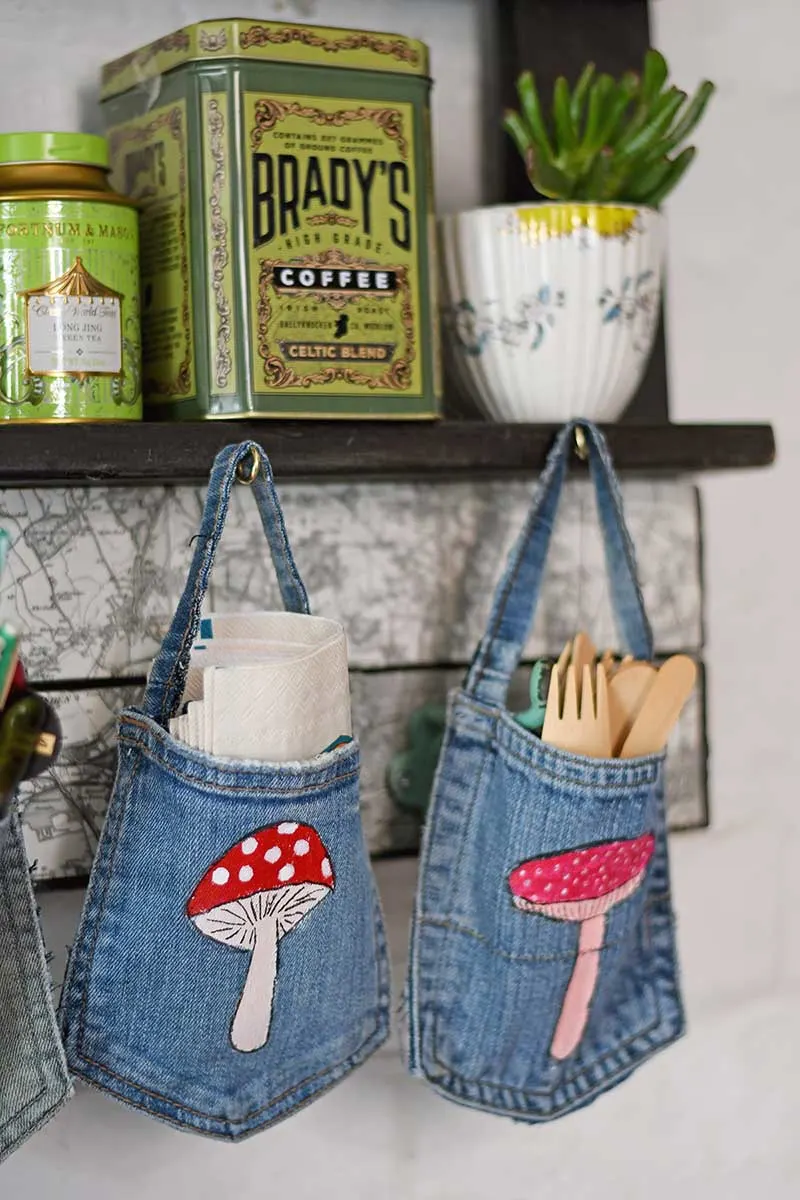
719 1114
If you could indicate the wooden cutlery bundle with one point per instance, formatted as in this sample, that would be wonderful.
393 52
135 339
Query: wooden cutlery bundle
605 708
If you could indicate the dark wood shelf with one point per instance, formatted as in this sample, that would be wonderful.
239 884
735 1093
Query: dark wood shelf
158 453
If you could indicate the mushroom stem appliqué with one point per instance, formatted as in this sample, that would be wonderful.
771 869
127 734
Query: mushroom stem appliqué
250 1028
252 897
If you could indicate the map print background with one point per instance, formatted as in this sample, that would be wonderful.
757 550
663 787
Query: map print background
94 575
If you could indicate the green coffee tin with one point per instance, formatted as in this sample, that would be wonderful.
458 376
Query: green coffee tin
284 178
70 345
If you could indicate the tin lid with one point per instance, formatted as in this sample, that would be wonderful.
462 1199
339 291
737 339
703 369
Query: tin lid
268 41
85 148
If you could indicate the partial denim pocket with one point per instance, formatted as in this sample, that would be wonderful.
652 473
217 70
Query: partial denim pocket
34 1082
550 972
231 961
543 967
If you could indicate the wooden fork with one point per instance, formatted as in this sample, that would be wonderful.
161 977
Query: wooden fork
582 728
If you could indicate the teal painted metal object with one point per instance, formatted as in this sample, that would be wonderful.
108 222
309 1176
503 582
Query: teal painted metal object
409 776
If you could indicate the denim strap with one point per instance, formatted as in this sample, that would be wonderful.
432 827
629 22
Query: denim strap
168 674
517 595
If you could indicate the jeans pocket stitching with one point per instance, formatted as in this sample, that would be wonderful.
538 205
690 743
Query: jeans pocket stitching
653 903
581 1075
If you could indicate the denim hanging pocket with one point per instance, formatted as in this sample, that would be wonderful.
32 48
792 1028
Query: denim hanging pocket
34 1081
543 967
230 963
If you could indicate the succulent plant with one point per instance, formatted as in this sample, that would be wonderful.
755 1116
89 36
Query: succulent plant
608 139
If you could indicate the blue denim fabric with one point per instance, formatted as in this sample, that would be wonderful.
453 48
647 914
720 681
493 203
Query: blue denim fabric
488 980
34 1081
150 995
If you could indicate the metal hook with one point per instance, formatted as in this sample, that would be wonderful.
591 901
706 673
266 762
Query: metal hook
249 468
581 446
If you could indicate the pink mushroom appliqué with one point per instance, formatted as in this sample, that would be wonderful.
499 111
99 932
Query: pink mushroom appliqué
255 894
582 886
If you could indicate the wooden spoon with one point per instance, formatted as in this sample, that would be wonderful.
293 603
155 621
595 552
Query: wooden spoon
661 708
626 694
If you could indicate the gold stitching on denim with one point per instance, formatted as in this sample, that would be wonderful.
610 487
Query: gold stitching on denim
653 901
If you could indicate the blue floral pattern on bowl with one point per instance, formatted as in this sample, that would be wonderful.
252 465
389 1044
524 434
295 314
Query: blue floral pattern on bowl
475 326
636 304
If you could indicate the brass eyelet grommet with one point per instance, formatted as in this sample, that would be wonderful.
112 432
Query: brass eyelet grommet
248 470
581 445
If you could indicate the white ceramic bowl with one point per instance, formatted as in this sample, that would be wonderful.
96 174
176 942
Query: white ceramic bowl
550 310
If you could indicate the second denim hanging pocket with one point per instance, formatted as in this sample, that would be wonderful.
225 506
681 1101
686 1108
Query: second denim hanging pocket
543 967
230 963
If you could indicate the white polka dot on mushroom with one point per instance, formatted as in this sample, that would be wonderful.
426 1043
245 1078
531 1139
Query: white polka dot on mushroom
249 845
245 874
286 873
220 876
287 827
301 847
326 869
273 854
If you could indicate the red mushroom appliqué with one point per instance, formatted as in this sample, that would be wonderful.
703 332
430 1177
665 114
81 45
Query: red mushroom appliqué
254 895
583 886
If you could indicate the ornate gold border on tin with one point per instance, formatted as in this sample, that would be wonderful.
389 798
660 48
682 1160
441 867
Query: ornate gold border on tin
223 360
77 281
269 111
263 35
173 120
278 374
173 41
266 41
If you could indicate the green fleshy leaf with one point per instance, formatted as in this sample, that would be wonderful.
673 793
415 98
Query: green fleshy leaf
580 95
654 128
532 112
623 96
687 123
646 112
566 136
546 177
679 167
647 179
601 97
594 185
654 75
518 130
